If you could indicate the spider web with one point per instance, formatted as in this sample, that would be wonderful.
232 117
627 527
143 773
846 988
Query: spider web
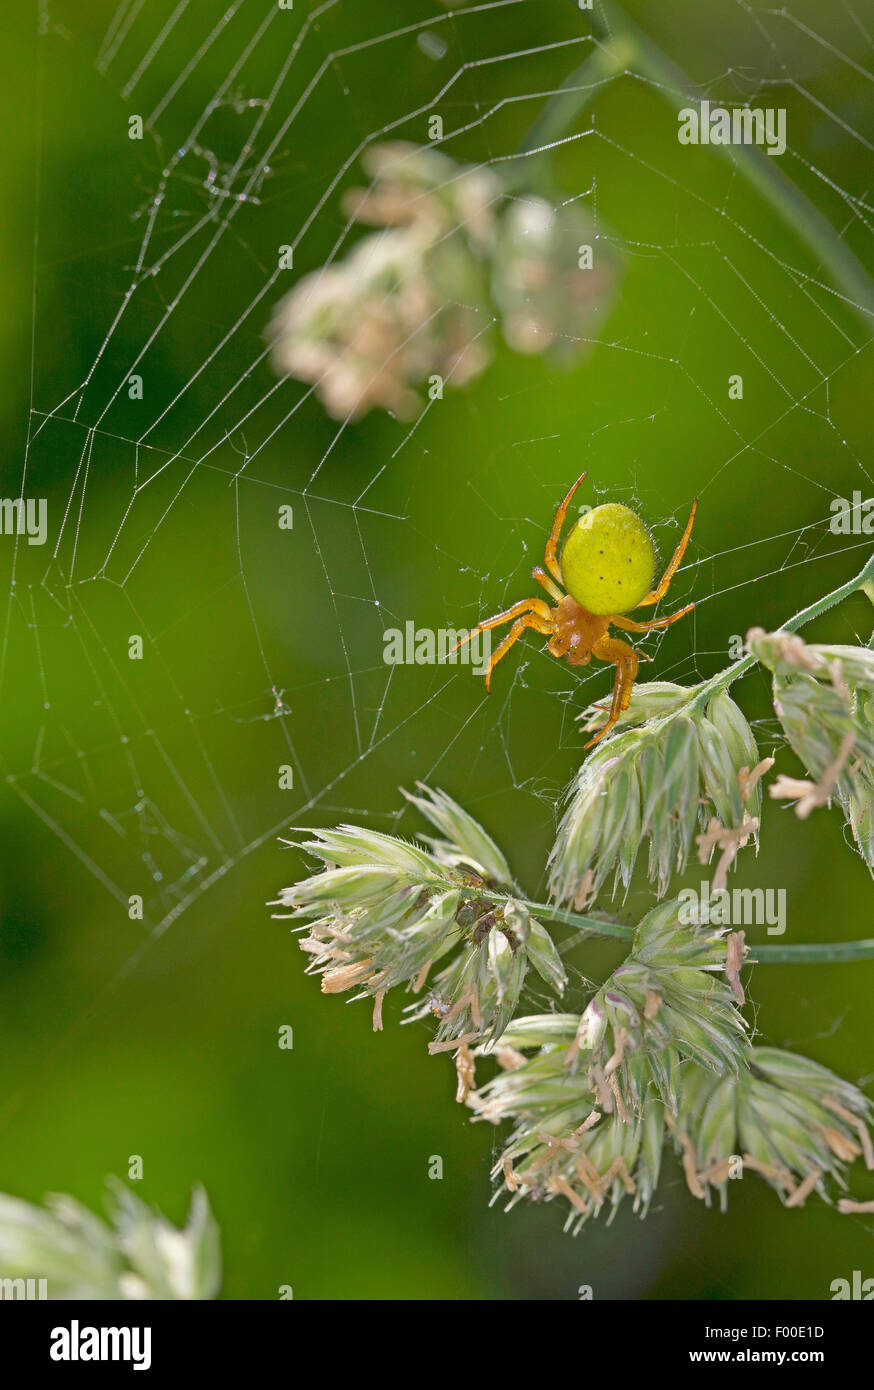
263 647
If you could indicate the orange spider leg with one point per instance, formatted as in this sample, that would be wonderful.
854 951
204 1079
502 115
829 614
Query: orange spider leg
625 659
629 624
662 587
537 611
549 555
534 620
543 578
525 605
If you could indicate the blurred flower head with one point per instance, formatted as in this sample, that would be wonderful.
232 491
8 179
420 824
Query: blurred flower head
412 185
137 1255
394 313
417 299
383 911
672 767
548 295
824 699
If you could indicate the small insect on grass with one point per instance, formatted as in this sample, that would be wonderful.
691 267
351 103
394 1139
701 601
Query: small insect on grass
606 569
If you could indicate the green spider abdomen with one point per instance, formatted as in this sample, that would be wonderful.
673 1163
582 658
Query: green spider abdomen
608 560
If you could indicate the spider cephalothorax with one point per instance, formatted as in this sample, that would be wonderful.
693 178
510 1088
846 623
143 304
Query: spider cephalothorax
607 568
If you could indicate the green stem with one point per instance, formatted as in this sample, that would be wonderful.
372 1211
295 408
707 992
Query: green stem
820 953
760 170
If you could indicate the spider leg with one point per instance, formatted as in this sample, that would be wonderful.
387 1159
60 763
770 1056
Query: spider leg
549 555
525 605
625 659
543 578
662 587
629 625
534 620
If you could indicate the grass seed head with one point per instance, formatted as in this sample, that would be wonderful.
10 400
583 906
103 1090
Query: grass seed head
824 699
383 911
672 767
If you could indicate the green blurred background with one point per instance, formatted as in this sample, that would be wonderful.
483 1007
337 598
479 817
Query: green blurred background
160 777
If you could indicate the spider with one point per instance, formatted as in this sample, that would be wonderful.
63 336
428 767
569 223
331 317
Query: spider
600 591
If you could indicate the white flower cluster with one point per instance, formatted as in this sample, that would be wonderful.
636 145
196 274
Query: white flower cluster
414 302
